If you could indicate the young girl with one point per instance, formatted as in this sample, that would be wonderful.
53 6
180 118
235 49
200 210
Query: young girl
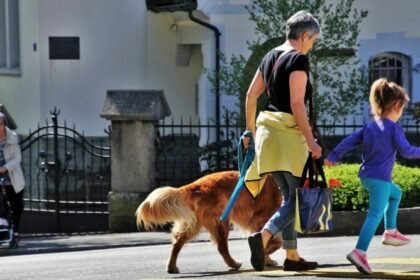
381 139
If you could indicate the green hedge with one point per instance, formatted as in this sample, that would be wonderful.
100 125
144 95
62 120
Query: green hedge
352 196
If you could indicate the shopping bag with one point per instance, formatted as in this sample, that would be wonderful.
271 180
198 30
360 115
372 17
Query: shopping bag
313 202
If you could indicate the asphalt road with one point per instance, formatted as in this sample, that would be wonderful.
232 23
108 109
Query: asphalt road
200 260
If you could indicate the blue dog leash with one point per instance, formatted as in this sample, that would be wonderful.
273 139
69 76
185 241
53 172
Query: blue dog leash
243 165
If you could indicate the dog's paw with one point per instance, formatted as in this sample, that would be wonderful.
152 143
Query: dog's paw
235 265
172 270
270 262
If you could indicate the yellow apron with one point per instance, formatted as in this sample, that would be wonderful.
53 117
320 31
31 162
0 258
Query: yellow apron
279 146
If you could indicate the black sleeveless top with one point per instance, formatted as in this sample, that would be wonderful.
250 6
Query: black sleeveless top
279 88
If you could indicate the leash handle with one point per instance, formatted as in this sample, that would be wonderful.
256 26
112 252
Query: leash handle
248 134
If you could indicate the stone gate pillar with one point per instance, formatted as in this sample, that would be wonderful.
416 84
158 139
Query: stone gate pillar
133 115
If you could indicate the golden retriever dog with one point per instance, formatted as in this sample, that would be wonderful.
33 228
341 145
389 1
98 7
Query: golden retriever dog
200 204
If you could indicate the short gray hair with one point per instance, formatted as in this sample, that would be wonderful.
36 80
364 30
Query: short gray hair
300 23
3 118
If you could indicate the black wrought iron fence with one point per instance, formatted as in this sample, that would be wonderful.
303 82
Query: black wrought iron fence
188 149
67 179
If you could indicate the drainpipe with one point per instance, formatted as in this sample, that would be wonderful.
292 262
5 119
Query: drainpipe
217 89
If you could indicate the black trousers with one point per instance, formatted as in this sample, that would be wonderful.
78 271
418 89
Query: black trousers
16 203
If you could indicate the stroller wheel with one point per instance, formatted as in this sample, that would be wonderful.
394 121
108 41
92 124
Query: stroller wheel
14 243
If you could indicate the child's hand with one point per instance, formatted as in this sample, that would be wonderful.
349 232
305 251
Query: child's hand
329 163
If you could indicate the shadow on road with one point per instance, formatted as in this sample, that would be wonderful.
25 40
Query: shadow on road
334 271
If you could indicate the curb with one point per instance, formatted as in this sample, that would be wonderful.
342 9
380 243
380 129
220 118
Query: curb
32 251
347 223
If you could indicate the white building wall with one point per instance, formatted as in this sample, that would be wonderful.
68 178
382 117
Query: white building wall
236 30
21 94
389 16
179 82
207 104
112 55
123 46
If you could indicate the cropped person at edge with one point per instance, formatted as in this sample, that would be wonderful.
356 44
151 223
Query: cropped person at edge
11 173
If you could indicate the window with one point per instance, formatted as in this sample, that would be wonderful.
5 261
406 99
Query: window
9 37
394 66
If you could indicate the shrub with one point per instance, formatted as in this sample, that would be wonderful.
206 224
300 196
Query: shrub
352 196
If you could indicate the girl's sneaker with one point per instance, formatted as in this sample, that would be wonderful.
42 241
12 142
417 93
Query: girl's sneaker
360 261
395 239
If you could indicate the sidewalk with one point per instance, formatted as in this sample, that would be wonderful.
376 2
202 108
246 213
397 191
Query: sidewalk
65 243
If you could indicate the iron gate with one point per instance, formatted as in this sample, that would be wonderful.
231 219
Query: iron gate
67 180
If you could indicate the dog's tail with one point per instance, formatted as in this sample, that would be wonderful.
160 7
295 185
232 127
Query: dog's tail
164 205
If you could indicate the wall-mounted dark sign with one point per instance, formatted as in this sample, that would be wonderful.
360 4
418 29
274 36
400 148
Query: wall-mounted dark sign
64 47
171 5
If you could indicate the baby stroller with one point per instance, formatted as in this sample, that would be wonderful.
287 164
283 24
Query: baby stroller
6 218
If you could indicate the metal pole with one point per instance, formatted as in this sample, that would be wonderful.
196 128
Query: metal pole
57 167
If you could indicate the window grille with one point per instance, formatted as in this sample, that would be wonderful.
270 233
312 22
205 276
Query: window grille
394 66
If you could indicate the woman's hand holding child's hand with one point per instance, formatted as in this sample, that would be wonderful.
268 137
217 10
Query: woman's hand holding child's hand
329 163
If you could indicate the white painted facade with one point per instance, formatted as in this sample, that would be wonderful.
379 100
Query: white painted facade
124 46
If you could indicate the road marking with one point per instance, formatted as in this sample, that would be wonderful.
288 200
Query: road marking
345 273
342 270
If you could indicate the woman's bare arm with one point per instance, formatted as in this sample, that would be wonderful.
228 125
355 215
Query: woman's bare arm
297 82
255 90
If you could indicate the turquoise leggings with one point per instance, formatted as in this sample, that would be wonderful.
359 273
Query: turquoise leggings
384 199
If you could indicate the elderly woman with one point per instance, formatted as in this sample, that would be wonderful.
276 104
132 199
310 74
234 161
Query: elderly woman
11 174
283 134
